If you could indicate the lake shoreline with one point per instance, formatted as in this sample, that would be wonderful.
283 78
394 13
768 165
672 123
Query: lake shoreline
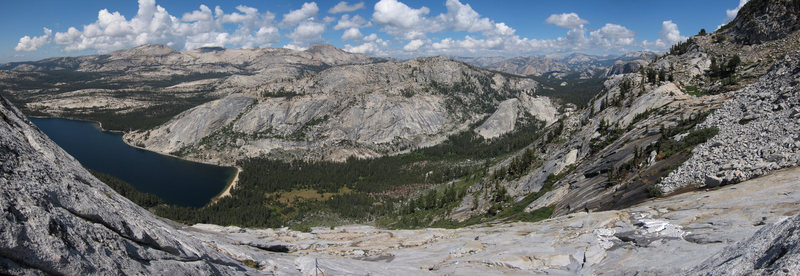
228 188
231 183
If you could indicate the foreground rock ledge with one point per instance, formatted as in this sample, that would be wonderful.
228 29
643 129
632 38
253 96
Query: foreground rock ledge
665 236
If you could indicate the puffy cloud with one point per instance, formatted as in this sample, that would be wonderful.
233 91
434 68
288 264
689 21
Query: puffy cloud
369 47
668 36
153 24
413 45
347 22
344 7
461 17
27 43
351 34
612 36
401 20
371 37
407 23
204 14
308 10
306 33
566 20
408 28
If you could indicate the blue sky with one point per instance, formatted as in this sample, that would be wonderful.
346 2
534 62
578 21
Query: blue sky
398 28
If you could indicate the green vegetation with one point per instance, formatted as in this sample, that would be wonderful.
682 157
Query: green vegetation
696 91
608 134
683 47
577 91
145 200
47 84
250 263
667 147
725 69
653 191
141 118
281 92
274 193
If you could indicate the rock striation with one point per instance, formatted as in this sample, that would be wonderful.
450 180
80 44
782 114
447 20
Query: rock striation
59 219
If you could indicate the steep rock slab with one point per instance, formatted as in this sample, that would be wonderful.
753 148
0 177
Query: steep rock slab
773 250
193 125
59 219
501 121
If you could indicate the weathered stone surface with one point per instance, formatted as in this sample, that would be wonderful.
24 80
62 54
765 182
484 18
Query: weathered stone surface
663 237
59 219
773 250
754 137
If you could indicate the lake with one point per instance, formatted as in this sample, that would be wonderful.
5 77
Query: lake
175 181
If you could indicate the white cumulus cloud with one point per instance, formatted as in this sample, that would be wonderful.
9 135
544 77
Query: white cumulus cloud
612 36
566 20
668 36
346 22
27 43
413 45
351 34
461 17
345 7
153 24
308 10
306 33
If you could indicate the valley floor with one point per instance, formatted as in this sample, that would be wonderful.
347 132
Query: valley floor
663 236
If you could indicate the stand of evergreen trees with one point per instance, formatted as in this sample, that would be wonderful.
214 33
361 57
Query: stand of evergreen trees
369 182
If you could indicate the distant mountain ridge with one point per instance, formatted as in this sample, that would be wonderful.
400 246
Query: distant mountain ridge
586 65
222 105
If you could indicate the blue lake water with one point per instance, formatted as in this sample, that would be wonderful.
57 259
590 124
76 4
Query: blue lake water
175 181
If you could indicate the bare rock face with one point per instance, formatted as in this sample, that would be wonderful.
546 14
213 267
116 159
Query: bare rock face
196 123
625 67
773 250
361 110
59 219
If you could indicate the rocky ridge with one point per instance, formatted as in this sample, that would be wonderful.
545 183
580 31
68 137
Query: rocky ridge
365 110
587 66
764 20
599 153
